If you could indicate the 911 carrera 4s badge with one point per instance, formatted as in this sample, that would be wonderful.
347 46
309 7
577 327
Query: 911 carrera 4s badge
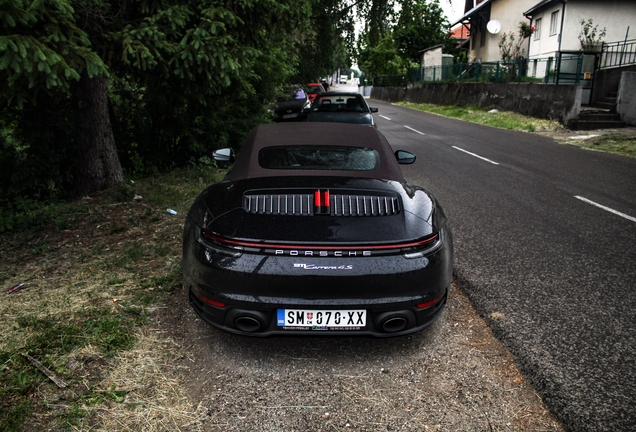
322 267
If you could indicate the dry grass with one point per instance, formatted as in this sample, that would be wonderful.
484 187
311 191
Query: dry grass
154 400
87 311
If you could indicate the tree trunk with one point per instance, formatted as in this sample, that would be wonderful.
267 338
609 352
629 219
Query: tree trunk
97 162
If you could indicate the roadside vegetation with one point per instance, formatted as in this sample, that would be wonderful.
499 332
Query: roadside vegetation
617 141
95 274
613 142
500 119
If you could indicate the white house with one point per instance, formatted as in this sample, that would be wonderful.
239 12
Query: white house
488 20
558 23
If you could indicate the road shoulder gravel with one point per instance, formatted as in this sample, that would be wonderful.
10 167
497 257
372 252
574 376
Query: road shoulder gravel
453 376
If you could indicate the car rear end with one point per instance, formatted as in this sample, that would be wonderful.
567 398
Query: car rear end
325 257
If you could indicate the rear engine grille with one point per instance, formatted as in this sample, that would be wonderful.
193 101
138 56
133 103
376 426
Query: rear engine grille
360 205
304 205
285 204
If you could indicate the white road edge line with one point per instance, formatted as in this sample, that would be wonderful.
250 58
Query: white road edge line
623 215
477 156
414 130
384 117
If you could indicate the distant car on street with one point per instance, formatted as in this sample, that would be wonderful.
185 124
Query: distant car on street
292 106
313 89
341 107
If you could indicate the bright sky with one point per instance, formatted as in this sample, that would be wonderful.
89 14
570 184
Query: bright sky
454 9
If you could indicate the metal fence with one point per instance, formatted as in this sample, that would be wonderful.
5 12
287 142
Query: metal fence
564 69
617 54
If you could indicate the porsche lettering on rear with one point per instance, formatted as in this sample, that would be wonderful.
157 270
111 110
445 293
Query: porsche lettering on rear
319 253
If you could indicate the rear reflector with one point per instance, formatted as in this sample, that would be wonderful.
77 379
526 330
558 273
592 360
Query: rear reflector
212 302
427 304
430 303
207 300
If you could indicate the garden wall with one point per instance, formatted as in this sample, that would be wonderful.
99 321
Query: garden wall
555 102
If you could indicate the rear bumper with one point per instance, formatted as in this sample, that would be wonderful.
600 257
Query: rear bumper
387 321
242 294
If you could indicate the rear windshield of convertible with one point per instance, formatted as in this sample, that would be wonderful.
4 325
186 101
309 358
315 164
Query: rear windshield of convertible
317 157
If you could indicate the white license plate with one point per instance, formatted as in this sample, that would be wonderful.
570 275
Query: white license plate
287 116
321 319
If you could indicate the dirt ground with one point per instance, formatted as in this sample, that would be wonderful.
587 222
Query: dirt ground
453 376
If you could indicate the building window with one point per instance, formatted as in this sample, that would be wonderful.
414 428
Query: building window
482 32
554 23
537 29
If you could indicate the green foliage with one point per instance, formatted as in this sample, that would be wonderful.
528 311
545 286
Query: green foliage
43 48
23 213
392 48
421 24
327 43
383 59
184 78
590 36
377 15
511 46
36 155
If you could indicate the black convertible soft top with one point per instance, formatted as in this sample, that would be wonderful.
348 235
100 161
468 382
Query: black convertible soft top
340 134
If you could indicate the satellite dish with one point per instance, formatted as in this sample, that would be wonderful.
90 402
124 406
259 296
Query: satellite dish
493 26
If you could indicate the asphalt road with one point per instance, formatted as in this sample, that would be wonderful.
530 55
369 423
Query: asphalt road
553 273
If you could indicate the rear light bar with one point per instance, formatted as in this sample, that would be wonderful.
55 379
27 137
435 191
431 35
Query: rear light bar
420 243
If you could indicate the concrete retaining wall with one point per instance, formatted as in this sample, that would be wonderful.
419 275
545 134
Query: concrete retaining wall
626 99
606 81
555 102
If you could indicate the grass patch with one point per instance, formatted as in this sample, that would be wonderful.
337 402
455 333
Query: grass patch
624 145
12 417
501 119
94 277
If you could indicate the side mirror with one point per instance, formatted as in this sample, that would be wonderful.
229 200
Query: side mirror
404 157
224 155
373 109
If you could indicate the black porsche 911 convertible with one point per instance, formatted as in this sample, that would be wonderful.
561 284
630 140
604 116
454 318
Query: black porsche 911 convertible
314 230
